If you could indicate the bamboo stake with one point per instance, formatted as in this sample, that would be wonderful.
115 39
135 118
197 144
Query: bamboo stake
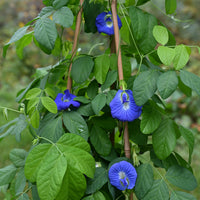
74 48
127 149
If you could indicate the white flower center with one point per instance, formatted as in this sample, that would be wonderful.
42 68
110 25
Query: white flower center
109 24
126 105
122 175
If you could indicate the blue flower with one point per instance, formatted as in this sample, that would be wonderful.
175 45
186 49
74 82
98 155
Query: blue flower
122 175
63 101
123 106
104 23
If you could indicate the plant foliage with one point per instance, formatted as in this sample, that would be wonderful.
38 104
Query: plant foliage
73 149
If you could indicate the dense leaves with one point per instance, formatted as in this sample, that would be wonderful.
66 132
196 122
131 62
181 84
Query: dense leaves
74 147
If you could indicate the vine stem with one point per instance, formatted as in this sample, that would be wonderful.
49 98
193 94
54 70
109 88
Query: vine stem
74 49
120 73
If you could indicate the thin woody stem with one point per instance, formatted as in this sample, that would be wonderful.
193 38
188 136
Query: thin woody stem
74 49
117 39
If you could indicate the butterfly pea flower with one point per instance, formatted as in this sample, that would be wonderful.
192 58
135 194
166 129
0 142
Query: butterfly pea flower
104 23
122 175
123 106
63 101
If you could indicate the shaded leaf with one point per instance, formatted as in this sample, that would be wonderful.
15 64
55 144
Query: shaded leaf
75 124
167 83
164 139
64 17
145 86
181 177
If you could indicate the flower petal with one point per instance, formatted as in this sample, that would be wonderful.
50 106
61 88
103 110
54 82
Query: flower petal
130 175
58 101
102 23
125 110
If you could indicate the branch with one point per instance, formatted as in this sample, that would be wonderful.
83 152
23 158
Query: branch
74 49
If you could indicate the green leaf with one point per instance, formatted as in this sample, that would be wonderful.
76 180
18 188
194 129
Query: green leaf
75 124
151 118
34 161
92 89
51 128
86 110
23 197
181 56
141 2
76 151
191 80
5 48
79 159
110 79
170 6
129 3
64 17
160 33
158 191
49 104
105 122
74 141
35 119
23 42
81 68
32 103
179 195
126 67
167 83
135 134
5 113
21 95
109 96
166 55
49 91
101 68
145 86
96 196
124 31
100 141
50 175
142 24
100 178
59 3
18 156
20 182
144 180
181 177
19 127
45 33
46 11
189 138
91 10
7 174
185 89
164 139
73 185
32 93
18 34
81 99
48 2
98 103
